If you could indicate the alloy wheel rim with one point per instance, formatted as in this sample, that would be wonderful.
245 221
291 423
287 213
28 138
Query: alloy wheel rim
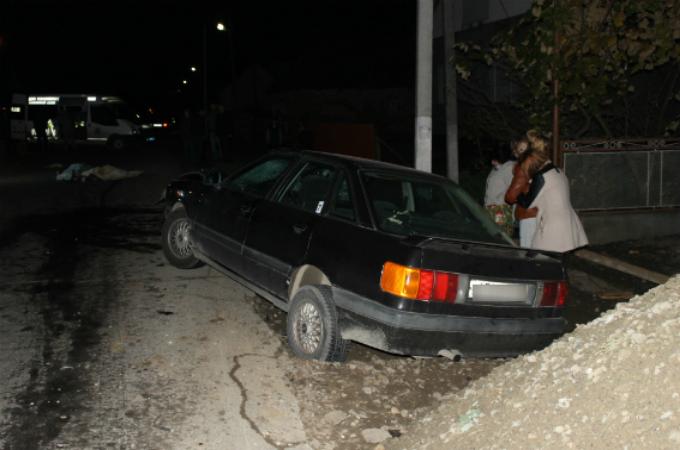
179 239
308 328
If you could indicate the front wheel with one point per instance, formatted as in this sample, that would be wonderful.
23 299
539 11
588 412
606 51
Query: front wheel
175 240
313 331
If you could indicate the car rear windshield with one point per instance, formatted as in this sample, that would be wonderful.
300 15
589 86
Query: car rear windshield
418 206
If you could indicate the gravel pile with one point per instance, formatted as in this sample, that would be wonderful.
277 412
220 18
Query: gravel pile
614 382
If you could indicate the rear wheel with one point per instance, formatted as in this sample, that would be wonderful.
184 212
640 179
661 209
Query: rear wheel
313 331
175 240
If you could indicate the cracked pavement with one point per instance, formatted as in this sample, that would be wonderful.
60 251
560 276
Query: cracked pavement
111 347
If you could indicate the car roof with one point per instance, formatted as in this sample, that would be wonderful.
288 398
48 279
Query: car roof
365 163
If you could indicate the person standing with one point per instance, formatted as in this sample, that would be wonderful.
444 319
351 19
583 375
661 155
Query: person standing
526 217
497 183
558 227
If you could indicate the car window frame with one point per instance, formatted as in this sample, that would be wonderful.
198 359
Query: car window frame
334 192
226 182
398 175
285 185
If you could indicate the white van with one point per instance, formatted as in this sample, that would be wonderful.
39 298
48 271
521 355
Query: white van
92 118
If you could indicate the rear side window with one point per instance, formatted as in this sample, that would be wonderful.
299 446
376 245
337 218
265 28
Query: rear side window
428 207
342 205
310 187
259 179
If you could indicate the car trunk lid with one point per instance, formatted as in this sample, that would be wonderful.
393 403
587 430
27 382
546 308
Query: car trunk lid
490 260
491 274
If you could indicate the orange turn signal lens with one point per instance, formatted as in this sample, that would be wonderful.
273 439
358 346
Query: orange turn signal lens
419 284
400 280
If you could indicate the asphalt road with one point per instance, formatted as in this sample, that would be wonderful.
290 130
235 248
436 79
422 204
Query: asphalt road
105 345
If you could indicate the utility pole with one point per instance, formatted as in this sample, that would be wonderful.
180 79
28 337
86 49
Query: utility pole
423 125
451 93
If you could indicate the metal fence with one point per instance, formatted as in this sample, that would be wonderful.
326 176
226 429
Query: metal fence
623 174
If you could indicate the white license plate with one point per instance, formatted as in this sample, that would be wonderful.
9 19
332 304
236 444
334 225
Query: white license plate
495 291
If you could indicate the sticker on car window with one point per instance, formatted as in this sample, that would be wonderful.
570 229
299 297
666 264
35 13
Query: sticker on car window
319 207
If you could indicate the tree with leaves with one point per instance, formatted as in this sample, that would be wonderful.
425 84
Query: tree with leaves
616 61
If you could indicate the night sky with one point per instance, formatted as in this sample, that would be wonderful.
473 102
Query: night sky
143 49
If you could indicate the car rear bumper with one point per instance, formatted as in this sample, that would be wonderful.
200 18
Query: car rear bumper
412 333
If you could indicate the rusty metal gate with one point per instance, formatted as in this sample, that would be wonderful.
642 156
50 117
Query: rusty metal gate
623 174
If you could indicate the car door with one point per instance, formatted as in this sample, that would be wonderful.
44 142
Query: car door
280 229
221 221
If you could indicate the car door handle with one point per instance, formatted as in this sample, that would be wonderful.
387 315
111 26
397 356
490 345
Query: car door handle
246 209
300 228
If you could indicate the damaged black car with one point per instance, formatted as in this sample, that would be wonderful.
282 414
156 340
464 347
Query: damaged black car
365 251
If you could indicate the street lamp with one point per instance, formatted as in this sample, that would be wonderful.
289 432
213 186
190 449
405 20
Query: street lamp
193 68
220 26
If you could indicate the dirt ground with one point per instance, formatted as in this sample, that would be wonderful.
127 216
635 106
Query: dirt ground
373 395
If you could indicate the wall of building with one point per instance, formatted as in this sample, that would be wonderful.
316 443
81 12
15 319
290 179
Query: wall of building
605 227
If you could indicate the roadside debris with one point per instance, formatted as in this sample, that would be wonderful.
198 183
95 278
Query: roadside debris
622 266
615 295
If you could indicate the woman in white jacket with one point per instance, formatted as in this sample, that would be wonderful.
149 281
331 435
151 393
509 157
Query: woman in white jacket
558 228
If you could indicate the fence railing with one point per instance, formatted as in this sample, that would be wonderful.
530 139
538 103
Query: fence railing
623 174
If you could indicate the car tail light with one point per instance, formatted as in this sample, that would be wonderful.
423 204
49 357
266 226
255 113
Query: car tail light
419 284
554 293
426 284
446 287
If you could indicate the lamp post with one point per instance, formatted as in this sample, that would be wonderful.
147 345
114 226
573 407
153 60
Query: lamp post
220 26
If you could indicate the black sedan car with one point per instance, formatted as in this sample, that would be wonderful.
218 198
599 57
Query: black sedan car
365 251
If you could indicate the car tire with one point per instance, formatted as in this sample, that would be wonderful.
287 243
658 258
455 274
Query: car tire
175 240
313 331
